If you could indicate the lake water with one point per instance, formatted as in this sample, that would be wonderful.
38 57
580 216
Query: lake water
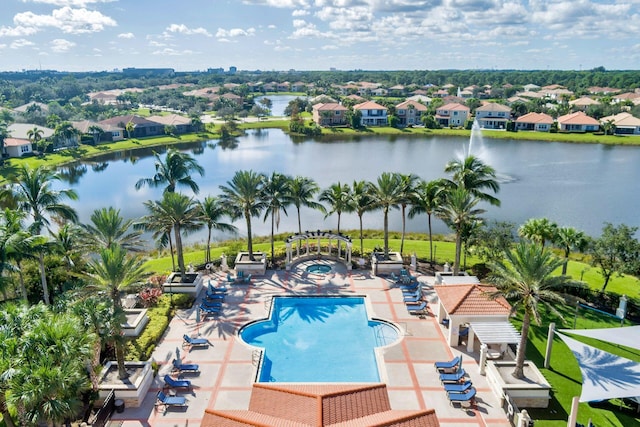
580 185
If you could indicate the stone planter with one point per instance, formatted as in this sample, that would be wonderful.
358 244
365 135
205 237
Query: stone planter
529 392
192 286
257 266
137 319
379 265
133 390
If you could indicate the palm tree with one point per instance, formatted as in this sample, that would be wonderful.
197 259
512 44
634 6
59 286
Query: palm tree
175 170
525 278
361 202
338 196
474 175
182 213
33 193
157 223
568 238
212 211
15 244
426 199
408 187
4 134
276 192
112 272
386 194
129 127
96 132
108 227
196 122
65 134
242 196
35 135
457 211
302 190
539 230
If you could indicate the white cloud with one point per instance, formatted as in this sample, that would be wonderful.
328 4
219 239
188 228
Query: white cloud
17 44
300 12
72 21
77 3
126 36
235 32
183 29
173 52
17 31
61 45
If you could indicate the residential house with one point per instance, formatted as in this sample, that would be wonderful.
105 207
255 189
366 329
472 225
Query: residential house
625 123
602 90
410 113
32 106
330 114
577 122
453 114
17 147
357 99
423 99
530 87
233 97
373 114
322 99
298 87
182 124
397 90
367 88
141 126
283 87
441 93
380 91
627 96
21 130
583 103
493 116
538 122
109 133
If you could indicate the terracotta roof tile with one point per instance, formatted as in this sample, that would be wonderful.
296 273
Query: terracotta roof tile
471 299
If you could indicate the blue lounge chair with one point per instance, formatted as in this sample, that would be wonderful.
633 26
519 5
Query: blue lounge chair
452 364
210 311
240 274
411 292
185 367
394 277
458 388
453 378
216 289
214 297
212 303
415 299
169 401
194 342
171 383
410 287
417 308
462 398
247 279
230 279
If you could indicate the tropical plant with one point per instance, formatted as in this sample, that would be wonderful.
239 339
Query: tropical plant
539 230
475 176
387 193
96 132
35 135
65 134
196 122
277 196
108 228
242 197
175 170
408 182
161 226
426 199
302 191
361 202
4 134
525 277
337 196
129 127
568 238
616 251
212 211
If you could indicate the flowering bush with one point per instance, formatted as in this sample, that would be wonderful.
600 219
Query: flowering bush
149 296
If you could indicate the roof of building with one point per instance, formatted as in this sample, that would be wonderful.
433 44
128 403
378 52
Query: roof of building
584 101
136 120
84 125
410 102
577 118
369 105
21 130
330 106
622 120
16 142
471 300
25 107
535 118
355 97
453 106
494 107
171 120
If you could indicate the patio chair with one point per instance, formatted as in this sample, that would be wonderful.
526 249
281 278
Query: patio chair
417 308
214 297
247 279
212 304
171 383
185 367
216 289
413 299
394 277
411 287
458 388
230 279
453 378
194 342
451 364
210 311
416 293
169 401
462 398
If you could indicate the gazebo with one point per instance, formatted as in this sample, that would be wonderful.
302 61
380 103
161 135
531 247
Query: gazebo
309 245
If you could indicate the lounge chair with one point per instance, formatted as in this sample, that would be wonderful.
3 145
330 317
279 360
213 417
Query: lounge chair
453 378
414 299
458 388
410 287
216 289
247 279
214 297
185 367
171 383
417 308
194 342
462 398
212 303
451 364
412 292
210 311
169 401
394 277
230 279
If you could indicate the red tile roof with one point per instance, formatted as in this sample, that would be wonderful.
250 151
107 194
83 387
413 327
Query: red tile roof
369 105
578 118
535 118
471 300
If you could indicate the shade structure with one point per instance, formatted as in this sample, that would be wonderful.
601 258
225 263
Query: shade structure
626 335
604 375
495 332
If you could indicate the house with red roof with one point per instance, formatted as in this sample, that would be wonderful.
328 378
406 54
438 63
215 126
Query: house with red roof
624 123
538 122
17 147
141 126
578 122
453 114
373 114
410 113
493 116
330 114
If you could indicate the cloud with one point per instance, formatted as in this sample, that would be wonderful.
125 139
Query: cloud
235 32
76 3
126 36
173 52
183 29
17 44
61 45
300 12
67 19
17 31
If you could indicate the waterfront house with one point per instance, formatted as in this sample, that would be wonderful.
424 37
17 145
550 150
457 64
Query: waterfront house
141 126
329 114
182 124
583 103
493 116
624 123
373 114
410 113
17 147
578 122
453 114
109 133
538 122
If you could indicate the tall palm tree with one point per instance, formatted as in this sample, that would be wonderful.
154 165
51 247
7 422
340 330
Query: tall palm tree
35 136
182 213
175 170
474 175
65 134
212 211
108 227
361 202
457 211
157 223
196 122
337 196
408 182
96 132
539 230
33 193
242 196
525 278
302 191
112 272
129 127
14 246
568 238
277 196
426 199
387 193
4 134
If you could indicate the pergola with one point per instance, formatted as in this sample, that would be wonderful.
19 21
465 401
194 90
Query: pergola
502 333
299 247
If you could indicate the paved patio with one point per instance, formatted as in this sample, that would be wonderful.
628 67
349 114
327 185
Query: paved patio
228 371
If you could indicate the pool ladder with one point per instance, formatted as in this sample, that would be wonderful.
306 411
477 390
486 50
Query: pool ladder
256 356
267 304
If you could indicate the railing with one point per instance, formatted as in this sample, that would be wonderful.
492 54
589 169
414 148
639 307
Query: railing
510 409
104 413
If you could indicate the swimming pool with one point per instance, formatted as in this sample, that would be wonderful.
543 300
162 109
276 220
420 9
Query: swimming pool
319 339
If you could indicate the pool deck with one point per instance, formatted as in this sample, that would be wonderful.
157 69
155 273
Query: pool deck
227 368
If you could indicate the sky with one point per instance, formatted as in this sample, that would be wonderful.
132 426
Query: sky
191 35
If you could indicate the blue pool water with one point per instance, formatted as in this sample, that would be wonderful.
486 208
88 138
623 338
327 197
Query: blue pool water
319 268
314 339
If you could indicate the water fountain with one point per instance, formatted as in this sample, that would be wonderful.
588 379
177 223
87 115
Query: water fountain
476 137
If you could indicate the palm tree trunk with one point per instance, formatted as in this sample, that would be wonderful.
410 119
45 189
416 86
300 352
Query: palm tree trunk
117 334
43 280
518 372
176 231
23 288
386 233
338 222
6 416
430 240
207 256
173 258
456 264
361 244
404 223
566 262
247 217
299 223
273 256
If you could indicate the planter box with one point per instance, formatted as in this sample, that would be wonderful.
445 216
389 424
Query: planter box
133 390
257 266
386 266
175 286
137 319
529 392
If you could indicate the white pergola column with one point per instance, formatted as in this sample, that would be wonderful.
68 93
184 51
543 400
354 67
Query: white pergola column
470 340
289 256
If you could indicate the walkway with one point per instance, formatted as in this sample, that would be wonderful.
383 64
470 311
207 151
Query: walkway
226 366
